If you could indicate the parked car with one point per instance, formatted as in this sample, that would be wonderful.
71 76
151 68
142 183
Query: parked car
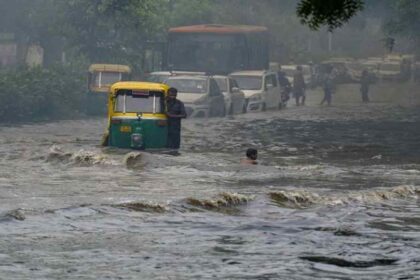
261 88
201 95
234 97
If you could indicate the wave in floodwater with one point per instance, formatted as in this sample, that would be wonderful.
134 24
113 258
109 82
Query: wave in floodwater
232 203
296 199
82 157
305 198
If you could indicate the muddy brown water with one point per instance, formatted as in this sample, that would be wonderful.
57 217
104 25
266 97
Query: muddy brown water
335 197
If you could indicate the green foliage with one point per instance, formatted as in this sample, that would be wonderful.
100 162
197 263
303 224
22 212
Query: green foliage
332 13
111 29
37 94
406 20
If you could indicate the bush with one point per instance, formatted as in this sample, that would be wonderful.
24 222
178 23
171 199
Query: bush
39 94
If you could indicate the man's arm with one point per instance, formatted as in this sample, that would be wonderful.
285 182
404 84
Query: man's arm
182 114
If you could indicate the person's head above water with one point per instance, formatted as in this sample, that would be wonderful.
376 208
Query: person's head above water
252 154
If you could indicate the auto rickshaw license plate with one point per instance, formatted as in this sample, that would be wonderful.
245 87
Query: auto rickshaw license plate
125 128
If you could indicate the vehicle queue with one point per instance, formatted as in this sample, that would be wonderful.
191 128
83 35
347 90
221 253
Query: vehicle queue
213 71
218 95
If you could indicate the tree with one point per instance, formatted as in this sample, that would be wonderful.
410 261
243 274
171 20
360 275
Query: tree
405 21
330 13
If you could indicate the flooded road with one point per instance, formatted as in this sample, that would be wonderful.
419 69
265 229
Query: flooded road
335 197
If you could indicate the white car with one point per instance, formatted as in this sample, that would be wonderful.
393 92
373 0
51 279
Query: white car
261 88
234 98
162 76
201 95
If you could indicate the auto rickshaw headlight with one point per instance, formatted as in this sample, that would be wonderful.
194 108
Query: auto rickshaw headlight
136 140
200 101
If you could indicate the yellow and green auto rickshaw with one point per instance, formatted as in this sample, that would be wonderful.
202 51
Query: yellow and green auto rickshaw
137 116
100 78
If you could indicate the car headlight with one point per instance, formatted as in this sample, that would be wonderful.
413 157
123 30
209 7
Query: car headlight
255 97
200 101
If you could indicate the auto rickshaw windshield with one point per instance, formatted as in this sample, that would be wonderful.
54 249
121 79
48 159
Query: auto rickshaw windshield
106 78
131 101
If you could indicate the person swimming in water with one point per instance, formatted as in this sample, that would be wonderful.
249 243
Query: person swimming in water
251 157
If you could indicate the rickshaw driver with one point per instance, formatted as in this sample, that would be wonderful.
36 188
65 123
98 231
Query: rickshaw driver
175 112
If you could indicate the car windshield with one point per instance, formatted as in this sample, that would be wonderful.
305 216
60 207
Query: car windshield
139 102
221 82
158 78
198 86
105 79
248 82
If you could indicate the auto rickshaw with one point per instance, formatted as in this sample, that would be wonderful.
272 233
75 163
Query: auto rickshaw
100 78
137 116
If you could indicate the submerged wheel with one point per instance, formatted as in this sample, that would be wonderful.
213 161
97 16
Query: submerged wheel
264 107
245 107
223 112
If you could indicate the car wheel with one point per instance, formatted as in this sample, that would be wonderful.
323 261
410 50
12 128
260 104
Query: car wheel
245 107
264 107
223 112
230 109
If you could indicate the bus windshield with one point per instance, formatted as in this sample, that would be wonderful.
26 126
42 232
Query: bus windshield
207 52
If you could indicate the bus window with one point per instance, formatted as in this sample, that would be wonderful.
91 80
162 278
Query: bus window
217 49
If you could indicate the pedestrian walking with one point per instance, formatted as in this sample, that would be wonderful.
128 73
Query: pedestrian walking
364 86
299 86
328 86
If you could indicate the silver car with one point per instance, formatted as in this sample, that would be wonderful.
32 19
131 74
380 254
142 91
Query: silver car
201 95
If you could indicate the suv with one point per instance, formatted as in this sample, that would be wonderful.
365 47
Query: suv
200 94
262 89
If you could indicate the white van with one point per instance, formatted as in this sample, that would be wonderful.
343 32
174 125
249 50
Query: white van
262 89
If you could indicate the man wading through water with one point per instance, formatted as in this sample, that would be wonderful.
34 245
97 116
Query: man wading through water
175 112
299 86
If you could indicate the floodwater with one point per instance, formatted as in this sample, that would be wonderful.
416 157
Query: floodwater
335 197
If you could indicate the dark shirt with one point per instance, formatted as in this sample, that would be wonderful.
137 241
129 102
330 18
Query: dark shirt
176 107
328 84
364 82
298 81
283 81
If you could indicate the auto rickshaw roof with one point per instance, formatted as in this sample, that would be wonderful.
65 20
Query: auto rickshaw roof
217 28
139 86
109 68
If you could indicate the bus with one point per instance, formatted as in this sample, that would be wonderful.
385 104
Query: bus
217 49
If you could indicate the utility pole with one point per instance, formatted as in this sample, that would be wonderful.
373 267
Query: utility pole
329 41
